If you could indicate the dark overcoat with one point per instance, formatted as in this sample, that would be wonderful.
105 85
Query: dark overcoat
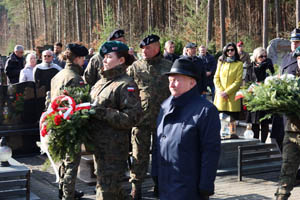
13 66
289 64
187 147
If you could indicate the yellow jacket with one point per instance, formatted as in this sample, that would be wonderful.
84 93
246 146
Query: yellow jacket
228 78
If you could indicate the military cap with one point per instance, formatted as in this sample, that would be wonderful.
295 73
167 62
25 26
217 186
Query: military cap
297 52
190 45
184 66
118 33
148 40
112 46
295 35
77 49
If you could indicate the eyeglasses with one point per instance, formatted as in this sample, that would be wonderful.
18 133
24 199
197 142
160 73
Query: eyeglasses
228 50
262 56
47 56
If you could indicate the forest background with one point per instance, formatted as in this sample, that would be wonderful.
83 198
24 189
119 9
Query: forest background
34 23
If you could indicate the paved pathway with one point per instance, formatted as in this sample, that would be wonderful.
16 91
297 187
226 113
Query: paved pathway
253 187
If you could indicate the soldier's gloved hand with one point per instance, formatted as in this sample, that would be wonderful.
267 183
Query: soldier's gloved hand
100 112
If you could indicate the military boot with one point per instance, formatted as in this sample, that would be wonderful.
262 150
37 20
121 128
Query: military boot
136 191
77 195
282 197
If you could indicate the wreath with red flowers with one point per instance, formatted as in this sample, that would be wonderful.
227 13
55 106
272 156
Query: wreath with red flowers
67 122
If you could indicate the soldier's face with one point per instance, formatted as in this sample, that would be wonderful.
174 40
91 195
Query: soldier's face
294 45
180 84
150 51
111 60
79 61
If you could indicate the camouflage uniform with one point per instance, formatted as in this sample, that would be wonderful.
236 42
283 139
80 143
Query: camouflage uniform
118 110
69 76
153 86
92 72
291 161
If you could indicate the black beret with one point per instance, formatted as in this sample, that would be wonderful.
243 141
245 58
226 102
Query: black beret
112 46
184 66
77 49
118 33
148 40
295 35
190 45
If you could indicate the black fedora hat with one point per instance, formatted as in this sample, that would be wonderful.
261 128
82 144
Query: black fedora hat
184 66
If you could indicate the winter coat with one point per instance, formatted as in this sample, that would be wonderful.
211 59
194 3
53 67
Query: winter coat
26 74
228 78
210 66
187 147
289 64
171 57
13 66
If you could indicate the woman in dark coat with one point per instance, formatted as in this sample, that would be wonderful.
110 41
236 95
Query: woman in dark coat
257 73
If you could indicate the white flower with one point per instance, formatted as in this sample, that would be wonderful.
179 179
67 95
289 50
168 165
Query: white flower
269 79
287 77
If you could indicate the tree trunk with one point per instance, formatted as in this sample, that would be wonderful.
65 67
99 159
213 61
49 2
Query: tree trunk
91 22
30 23
119 12
65 17
170 14
45 21
197 6
78 24
297 13
278 17
149 14
265 24
58 21
222 23
210 18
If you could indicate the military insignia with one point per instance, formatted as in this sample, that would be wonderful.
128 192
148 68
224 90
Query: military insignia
114 48
81 83
116 35
130 89
104 49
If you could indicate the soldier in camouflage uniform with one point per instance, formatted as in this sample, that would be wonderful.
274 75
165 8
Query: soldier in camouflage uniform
92 71
117 111
148 73
69 76
291 149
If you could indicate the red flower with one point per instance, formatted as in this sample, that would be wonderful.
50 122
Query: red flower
44 131
54 105
65 92
244 107
57 119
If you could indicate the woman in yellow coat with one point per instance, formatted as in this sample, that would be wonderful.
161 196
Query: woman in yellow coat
228 79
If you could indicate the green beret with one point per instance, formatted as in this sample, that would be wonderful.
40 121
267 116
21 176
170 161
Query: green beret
112 46
297 52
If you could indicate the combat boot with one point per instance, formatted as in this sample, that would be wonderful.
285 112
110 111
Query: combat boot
282 197
136 191
77 195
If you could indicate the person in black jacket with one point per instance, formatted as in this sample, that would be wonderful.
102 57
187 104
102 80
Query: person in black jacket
257 73
191 51
15 64
169 51
210 68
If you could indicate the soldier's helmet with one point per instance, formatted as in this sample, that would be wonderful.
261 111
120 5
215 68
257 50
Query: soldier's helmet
295 35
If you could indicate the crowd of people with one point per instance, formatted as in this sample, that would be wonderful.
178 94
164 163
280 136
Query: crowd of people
158 102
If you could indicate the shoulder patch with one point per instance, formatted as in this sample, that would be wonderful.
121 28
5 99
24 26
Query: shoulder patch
130 89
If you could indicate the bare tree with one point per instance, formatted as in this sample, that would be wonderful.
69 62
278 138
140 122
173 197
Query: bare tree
58 21
119 12
31 29
78 24
91 22
210 18
265 24
222 23
45 21
278 18
297 13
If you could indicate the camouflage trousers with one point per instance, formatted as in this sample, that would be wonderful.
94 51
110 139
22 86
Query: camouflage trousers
109 171
68 174
141 141
290 164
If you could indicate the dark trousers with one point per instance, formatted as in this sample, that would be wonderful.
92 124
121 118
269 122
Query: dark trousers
263 127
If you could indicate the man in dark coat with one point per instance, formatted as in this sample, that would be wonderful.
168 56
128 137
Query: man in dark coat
169 51
210 65
187 146
15 64
191 51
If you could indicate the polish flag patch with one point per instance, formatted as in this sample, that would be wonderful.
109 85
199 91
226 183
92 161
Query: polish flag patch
130 89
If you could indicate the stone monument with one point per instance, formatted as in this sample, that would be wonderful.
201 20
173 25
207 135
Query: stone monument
277 49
